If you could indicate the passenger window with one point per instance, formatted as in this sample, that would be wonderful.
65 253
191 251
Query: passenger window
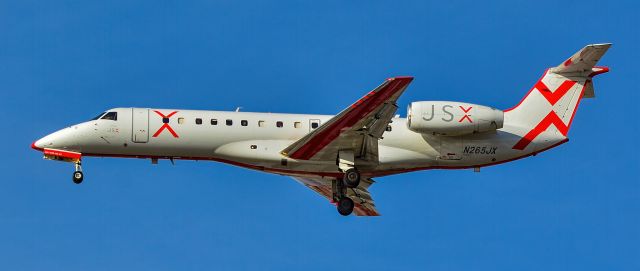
214 122
110 116
388 129
279 124
261 123
297 124
314 125
198 121
180 120
244 122
229 122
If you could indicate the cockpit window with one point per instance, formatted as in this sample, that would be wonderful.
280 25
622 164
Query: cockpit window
110 116
98 116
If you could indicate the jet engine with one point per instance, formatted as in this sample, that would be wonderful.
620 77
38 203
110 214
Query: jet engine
452 118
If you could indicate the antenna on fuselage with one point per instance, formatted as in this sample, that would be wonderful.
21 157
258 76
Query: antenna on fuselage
238 108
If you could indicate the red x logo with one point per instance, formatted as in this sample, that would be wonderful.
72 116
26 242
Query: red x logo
552 118
165 125
465 110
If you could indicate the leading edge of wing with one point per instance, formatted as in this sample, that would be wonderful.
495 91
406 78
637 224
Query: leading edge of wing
312 143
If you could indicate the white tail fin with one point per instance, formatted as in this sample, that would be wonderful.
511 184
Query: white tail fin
554 99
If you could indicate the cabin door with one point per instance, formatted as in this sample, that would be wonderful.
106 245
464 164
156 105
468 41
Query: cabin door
140 125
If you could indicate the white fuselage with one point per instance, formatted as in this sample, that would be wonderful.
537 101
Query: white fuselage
255 140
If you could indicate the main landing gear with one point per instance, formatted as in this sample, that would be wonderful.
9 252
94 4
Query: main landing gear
78 176
344 203
345 206
351 178
346 164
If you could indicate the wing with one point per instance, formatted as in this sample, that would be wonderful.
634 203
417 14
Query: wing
356 128
364 205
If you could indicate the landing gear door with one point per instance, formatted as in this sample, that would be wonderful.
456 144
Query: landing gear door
313 124
140 129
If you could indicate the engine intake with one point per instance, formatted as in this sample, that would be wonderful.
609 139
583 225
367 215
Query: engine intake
452 118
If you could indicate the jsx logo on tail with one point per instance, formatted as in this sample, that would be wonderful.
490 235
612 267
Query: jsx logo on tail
445 109
165 124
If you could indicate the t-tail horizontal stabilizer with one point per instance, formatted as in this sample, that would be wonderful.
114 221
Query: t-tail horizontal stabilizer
583 64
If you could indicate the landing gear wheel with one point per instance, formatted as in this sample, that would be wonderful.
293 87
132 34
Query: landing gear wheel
351 178
345 206
77 177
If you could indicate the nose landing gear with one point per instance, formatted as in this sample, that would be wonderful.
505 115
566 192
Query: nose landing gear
78 176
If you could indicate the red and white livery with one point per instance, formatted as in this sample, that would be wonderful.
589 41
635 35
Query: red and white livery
338 156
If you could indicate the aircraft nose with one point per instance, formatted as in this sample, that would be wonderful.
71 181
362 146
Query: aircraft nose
63 139
37 145
45 142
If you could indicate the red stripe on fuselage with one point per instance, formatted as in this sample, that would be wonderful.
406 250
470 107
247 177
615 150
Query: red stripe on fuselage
369 174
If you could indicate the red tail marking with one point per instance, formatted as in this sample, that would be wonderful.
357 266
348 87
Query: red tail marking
551 118
465 110
568 62
554 97
165 125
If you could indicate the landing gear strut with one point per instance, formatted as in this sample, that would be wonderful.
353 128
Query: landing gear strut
344 204
346 164
78 176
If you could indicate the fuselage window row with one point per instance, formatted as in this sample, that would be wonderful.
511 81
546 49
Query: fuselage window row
228 122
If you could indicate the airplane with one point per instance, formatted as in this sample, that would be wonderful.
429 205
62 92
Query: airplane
338 156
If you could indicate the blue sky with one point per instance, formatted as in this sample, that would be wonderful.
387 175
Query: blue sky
576 207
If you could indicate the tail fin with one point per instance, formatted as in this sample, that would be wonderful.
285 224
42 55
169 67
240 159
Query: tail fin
553 100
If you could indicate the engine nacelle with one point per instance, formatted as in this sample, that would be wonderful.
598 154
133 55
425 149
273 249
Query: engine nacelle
452 118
